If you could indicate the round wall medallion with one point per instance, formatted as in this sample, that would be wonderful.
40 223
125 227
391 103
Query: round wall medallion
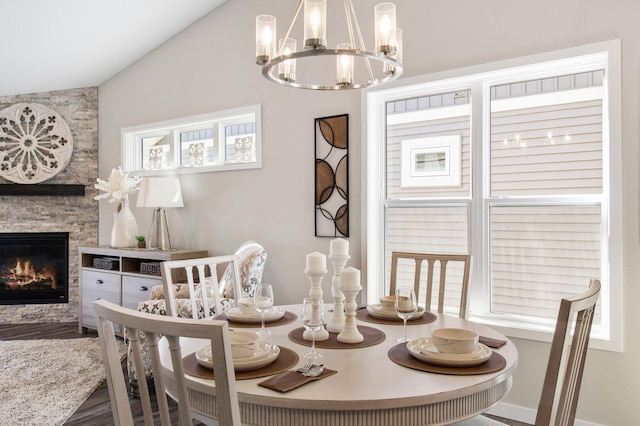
35 143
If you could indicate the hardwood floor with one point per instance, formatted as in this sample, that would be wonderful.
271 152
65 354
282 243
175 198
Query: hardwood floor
96 410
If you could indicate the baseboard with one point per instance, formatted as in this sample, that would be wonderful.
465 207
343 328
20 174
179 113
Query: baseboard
525 415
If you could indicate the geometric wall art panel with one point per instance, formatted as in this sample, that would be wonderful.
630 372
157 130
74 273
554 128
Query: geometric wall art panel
332 176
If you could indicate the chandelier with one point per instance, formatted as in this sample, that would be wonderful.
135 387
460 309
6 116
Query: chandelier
347 66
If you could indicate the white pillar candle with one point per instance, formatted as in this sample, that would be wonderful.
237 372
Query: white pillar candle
339 246
316 262
350 278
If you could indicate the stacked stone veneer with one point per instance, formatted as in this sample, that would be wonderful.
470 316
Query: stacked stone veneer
77 215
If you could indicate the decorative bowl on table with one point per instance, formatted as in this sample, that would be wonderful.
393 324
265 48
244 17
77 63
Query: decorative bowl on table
247 305
388 302
236 315
424 350
262 355
455 340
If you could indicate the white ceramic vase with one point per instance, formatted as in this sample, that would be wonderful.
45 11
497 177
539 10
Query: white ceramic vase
125 228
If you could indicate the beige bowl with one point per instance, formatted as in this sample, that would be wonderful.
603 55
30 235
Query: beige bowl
246 306
243 343
388 302
455 340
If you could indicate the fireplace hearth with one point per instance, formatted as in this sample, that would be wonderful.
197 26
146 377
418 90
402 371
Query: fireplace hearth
34 268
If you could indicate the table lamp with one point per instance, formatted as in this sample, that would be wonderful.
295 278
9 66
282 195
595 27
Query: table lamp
160 193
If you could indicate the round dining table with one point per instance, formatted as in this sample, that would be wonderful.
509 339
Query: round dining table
368 389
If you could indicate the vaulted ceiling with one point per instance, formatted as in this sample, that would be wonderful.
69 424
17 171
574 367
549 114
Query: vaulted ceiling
65 44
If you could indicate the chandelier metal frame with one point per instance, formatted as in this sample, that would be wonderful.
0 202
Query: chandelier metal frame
387 57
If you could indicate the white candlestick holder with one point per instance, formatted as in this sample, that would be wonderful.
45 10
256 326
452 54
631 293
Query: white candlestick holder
336 323
350 332
315 293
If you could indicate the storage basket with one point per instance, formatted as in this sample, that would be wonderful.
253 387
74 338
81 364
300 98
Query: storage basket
110 263
152 268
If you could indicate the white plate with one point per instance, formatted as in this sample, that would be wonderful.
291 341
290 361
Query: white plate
236 315
264 355
378 311
425 351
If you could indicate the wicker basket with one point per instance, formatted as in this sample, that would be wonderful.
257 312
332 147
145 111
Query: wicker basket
110 263
152 268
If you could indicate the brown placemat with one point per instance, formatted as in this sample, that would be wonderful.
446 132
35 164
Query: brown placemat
287 318
372 336
426 318
400 355
286 359
290 380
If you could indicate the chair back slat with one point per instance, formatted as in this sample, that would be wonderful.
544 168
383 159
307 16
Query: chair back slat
155 327
567 357
204 290
432 259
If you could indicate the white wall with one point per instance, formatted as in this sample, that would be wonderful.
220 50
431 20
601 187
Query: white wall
210 66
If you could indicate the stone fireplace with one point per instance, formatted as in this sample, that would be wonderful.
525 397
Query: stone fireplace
44 208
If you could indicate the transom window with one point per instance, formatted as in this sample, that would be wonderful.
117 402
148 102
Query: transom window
519 167
211 142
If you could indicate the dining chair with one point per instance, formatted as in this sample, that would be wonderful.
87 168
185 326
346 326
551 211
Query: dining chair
194 294
204 297
561 386
443 260
155 327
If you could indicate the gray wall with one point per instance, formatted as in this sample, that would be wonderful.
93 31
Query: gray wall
210 66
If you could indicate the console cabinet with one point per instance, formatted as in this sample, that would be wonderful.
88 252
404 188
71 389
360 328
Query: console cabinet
121 276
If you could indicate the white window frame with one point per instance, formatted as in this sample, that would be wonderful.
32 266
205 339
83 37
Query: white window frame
478 79
130 139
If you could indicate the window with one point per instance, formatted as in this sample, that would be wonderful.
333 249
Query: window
518 165
218 141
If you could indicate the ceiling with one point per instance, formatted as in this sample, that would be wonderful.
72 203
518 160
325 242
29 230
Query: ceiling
66 44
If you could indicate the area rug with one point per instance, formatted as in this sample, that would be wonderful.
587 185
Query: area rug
45 381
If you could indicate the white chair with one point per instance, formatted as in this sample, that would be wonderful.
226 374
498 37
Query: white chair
202 279
198 297
443 260
563 378
154 327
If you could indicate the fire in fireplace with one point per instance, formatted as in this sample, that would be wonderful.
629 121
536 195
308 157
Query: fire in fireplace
34 268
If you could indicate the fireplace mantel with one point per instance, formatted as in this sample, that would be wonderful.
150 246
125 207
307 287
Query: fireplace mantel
41 189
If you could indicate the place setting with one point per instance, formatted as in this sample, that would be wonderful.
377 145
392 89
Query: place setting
386 312
455 351
258 309
253 357
313 321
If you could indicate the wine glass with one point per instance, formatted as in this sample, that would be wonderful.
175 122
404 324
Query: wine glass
263 301
313 320
406 307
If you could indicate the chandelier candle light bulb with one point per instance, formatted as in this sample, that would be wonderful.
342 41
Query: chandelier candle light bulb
265 38
315 18
385 27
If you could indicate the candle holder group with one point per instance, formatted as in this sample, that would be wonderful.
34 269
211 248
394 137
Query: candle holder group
345 285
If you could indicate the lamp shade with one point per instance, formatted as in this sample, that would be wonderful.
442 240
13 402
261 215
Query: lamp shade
160 192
